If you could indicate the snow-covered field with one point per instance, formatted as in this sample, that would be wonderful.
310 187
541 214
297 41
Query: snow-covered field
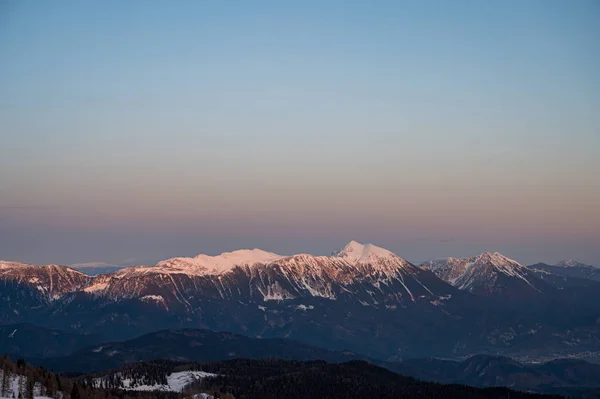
175 381
202 396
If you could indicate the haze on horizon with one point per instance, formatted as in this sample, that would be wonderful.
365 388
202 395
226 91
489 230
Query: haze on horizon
133 132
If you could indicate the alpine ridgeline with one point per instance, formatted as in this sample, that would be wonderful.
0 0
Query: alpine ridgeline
362 298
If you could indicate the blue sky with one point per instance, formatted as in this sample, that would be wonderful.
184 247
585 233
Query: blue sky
143 130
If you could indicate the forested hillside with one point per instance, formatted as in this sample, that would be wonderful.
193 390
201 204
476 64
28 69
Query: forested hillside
276 378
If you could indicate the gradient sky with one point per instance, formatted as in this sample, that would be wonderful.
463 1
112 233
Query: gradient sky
133 131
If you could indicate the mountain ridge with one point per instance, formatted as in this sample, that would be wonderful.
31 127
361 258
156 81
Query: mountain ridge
361 296
490 274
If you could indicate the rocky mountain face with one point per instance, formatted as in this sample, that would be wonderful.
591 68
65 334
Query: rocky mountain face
26 288
362 298
489 274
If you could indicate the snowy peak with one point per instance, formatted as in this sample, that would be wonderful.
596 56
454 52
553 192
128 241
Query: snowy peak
371 260
498 260
498 263
355 252
487 273
203 264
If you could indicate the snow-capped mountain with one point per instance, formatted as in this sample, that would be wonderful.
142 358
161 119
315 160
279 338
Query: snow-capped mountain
488 274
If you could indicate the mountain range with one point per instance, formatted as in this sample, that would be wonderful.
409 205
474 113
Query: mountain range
363 298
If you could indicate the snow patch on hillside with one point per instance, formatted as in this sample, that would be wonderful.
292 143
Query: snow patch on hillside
175 381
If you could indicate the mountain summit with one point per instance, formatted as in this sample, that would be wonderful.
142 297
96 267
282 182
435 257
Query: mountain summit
355 252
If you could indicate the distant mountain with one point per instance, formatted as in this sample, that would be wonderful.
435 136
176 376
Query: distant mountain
560 376
489 274
188 346
572 263
570 269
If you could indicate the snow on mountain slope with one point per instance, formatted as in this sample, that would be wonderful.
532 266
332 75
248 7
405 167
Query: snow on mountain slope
486 269
175 381
488 273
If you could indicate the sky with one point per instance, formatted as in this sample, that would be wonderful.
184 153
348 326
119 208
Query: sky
133 131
